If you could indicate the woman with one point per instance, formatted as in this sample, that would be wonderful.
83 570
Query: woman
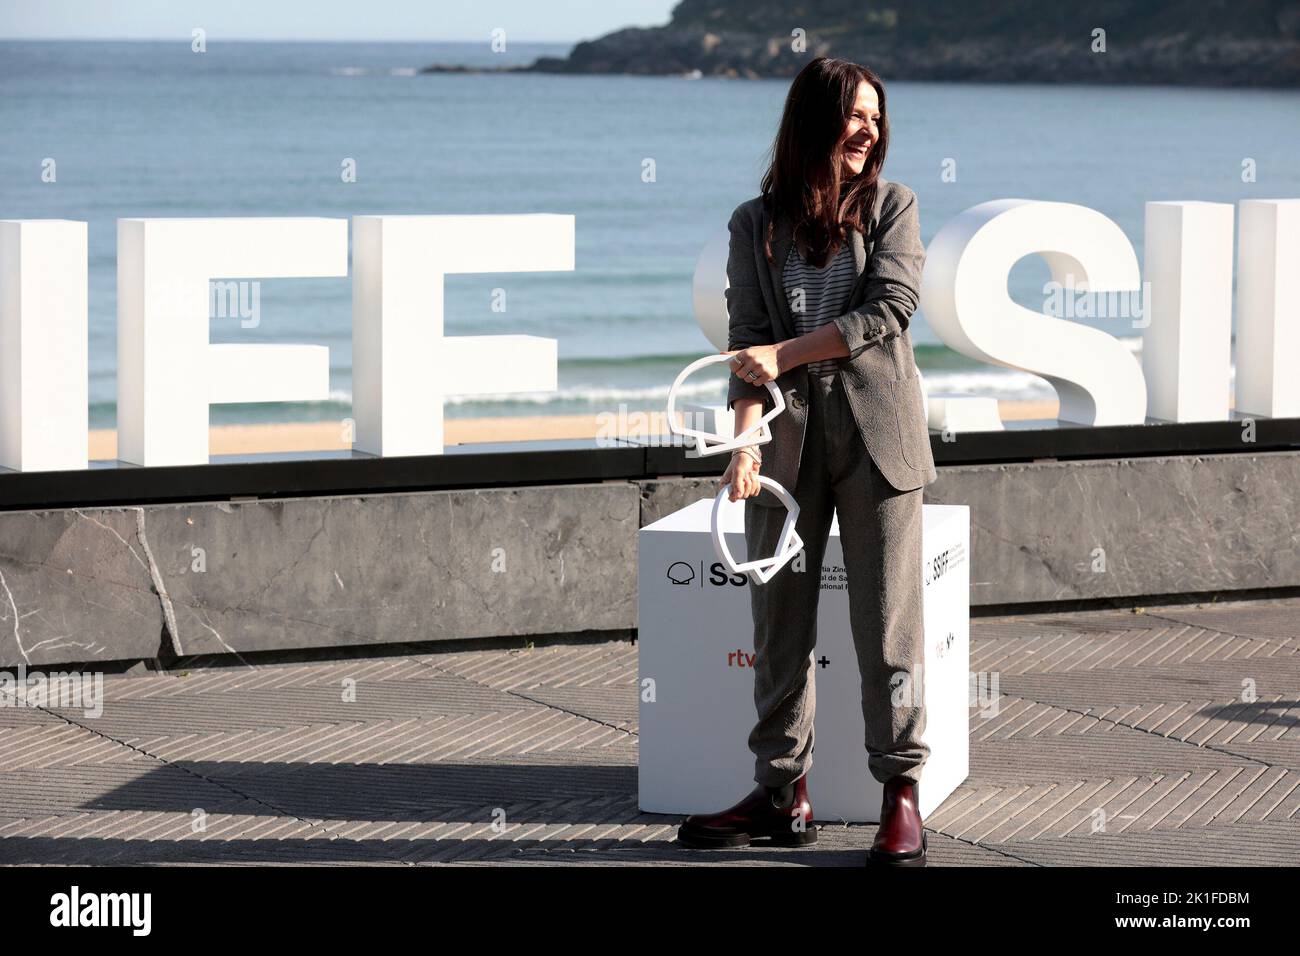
824 274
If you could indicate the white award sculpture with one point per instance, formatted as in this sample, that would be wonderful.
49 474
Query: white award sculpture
709 443
760 570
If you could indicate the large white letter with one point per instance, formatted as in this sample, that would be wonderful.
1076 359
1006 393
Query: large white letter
964 296
1187 344
43 343
1268 308
402 365
709 289
167 372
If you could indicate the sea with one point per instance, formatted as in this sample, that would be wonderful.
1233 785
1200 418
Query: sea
651 167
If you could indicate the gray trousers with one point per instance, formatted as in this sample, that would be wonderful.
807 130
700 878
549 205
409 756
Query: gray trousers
880 532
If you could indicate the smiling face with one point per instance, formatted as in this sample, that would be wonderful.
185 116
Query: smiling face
861 132
828 153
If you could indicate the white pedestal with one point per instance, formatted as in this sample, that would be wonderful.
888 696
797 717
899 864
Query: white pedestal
696 650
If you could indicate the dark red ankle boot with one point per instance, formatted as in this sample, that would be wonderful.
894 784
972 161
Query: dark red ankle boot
761 815
900 841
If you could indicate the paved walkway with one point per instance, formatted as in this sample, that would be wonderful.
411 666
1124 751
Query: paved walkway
1143 716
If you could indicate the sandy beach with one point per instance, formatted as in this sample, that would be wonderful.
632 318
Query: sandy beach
331 436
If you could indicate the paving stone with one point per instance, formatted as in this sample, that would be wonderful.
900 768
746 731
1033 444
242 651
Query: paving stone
1168 737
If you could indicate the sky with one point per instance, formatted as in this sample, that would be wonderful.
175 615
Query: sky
416 20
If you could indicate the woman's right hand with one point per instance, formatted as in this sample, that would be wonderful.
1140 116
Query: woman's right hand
742 475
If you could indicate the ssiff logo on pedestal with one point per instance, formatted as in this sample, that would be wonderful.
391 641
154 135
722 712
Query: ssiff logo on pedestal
682 574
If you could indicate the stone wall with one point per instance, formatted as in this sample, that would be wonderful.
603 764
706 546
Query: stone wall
105 583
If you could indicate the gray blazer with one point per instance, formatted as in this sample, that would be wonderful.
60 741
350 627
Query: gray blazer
879 374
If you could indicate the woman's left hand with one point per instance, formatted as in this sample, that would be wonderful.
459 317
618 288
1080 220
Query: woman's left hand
756 365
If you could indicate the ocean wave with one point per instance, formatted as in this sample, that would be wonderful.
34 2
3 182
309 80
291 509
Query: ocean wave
599 394
647 388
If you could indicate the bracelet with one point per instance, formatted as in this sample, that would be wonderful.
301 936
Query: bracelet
751 451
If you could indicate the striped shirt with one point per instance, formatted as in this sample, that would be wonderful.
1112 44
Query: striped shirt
818 295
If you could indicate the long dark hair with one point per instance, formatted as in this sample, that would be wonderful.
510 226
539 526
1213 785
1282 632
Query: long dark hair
804 181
